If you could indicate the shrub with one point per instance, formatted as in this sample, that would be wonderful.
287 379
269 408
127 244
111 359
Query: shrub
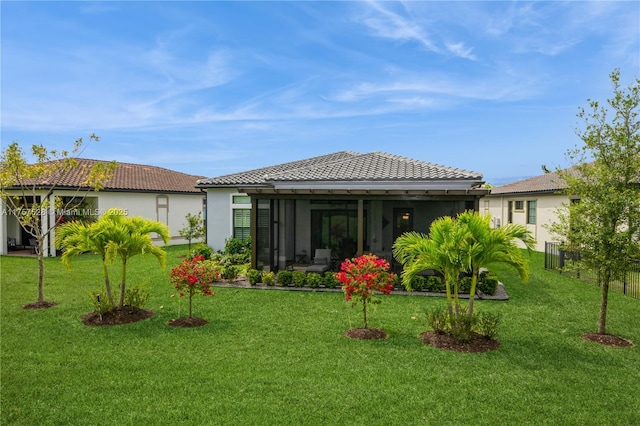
193 276
284 277
434 284
238 249
397 282
299 278
362 277
330 280
268 278
314 280
100 301
137 297
487 324
438 320
465 285
488 283
418 283
201 250
229 272
253 276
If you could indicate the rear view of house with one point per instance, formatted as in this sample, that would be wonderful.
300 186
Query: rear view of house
347 202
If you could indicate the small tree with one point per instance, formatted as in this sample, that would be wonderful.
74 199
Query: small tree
459 246
362 277
193 276
604 222
130 236
194 230
27 190
78 237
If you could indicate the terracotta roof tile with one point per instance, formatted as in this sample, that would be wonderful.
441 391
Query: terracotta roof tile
132 177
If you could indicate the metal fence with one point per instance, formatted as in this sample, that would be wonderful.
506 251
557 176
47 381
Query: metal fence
562 261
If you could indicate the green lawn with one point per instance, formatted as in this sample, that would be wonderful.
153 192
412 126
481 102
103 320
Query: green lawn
278 357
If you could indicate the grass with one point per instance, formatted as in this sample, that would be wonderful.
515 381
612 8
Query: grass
278 357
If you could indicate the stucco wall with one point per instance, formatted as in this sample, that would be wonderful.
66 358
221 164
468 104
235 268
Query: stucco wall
546 212
219 216
170 209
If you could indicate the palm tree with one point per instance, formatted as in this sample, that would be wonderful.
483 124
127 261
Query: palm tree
484 245
462 245
438 251
130 236
78 237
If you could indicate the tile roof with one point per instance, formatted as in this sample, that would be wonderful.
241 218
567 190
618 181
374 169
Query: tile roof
131 177
548 182
346 166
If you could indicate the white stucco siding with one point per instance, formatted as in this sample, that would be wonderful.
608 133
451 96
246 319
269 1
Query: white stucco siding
547 206
219 216
170 209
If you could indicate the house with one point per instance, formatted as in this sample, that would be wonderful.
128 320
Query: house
348 202
141 190
532 202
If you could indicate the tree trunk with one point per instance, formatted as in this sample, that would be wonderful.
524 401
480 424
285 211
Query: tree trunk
107 283
40 274
602 320
472 293
190 302
364 310
123 283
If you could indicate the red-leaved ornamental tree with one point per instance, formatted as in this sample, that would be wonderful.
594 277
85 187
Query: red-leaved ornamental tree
193 276
362 277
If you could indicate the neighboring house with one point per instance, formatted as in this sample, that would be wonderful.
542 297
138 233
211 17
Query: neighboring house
532 202
151 192
348 202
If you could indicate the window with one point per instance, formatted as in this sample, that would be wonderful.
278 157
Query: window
531 212
242 224
241 199
519 205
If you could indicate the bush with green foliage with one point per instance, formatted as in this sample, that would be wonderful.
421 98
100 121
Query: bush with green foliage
330 280
465 285
314 280
418 283
435 284
487 324
201 250
268 278
137 297
488 283
100 301
284 277
237 250
253 276
229 272
462 327
299 278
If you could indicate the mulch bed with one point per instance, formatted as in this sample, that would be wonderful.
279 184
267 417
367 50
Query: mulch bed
366 333
187 322
477 343
607 339
39 305
116 316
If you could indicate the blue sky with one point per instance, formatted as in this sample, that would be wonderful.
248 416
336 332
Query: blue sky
211 88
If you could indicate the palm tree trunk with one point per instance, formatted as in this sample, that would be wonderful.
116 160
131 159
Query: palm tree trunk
107 283
472 293
447 286
123 283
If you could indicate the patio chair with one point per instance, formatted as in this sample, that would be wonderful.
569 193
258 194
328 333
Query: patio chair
321 261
